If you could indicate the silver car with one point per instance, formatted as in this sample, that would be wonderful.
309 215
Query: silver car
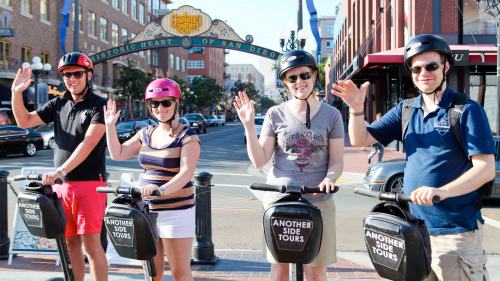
388 175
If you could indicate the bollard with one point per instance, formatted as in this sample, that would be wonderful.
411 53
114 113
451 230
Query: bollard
203 248
4 238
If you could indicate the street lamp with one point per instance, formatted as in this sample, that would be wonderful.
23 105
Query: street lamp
294 41
494 6
37 69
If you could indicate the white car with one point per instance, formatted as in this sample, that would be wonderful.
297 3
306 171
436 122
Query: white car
258 121
47 132
222 119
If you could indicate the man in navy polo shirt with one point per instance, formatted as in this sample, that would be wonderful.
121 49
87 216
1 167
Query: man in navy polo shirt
78 118
436 164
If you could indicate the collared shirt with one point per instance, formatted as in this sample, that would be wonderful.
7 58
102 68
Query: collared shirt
434 158
71 122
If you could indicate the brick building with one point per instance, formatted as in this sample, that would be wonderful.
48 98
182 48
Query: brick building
369 37
206 61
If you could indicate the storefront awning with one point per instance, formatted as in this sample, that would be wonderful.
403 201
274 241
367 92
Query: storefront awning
463 54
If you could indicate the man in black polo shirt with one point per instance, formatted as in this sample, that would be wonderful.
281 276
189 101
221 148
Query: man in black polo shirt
79 157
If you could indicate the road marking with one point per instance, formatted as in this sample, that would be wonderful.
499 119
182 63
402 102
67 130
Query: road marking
491 222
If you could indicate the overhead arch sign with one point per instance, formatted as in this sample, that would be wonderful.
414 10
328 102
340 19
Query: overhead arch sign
186 27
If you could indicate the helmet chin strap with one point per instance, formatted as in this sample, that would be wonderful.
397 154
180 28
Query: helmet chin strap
438 88
308 110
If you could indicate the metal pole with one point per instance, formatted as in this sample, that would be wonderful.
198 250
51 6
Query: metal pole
498 74
299 16
203 248
76 27
4 238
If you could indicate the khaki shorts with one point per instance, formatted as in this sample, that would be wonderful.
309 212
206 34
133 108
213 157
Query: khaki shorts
328 252
460 256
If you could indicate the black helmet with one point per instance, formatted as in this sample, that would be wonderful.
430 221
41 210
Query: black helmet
75 59
426 43
295 58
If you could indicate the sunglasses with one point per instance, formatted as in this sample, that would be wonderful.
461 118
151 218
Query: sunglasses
164 103
304 76
430 67
76 74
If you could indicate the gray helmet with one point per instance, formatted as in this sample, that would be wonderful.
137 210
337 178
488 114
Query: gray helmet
427 43
296 58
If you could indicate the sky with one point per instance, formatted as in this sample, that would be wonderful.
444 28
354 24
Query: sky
263 19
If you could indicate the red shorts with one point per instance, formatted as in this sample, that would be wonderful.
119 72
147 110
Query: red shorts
83 206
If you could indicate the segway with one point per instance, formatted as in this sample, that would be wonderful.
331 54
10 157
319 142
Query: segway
398 243
41 211
293 227
131 227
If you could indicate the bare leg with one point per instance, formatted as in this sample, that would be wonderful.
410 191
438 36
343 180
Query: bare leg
97 257
76 256
178 251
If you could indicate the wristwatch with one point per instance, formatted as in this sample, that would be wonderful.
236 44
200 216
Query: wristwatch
61 171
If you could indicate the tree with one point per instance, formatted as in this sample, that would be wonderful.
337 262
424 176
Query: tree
321 69
131 82
185 92
206 92
247 87
266 103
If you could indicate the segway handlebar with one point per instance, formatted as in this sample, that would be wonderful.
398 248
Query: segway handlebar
302 189
34 177
132 191
389 196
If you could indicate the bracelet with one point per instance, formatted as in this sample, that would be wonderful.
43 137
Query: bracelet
356 113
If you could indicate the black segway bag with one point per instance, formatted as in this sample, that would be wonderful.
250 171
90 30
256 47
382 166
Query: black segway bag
293 230
398 243
41 211
132 229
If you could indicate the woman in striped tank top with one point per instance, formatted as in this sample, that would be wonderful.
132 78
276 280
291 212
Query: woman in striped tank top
168 152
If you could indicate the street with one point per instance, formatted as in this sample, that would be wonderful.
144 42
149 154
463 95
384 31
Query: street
236 211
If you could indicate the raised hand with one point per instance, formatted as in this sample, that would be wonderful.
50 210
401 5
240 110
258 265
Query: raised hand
110 113
351 94
22 80
245 108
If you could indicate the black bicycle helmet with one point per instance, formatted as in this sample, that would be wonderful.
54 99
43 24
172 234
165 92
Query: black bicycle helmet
426 43
75 59
296 58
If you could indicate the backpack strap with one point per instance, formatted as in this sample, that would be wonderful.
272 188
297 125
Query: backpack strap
405 115
459 100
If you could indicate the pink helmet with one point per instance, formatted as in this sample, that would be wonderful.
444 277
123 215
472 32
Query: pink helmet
163 87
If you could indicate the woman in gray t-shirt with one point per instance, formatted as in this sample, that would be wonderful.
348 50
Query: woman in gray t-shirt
305 139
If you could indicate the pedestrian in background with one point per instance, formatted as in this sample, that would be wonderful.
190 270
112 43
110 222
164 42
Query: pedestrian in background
376 147
79 156
437 164
305 137
168 152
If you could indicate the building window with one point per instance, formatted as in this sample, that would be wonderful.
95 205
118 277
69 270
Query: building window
26 54
191 78
45 57
329 29
91 21
153 57
4 53
103 29
171 61
133 9
141 13
5 3
125 7
26 7
44 10
177 63
183 65
114 4
114 34
329 43
196 64
79 16
124 35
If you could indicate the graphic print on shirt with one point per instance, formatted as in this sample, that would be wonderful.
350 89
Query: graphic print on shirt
442 126
302 148
83 116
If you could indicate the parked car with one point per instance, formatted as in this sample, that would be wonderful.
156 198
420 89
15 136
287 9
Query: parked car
197 122
6 116
388 175
258 121
124 132
133 125
183 121
213 121
47 132
222 119
18 140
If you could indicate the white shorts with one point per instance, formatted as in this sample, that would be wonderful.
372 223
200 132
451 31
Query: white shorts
176 223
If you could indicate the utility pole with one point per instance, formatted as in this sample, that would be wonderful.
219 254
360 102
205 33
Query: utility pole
299 17
76 27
